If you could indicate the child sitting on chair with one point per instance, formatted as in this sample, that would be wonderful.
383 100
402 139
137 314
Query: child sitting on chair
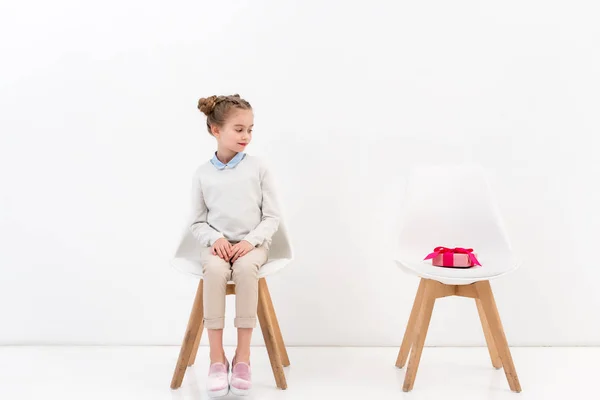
235 215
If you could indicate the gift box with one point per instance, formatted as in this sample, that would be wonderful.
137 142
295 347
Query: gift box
453 258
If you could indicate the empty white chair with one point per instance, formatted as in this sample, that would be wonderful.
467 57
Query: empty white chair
187 259
452 206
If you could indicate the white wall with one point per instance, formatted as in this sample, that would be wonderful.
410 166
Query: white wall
100 136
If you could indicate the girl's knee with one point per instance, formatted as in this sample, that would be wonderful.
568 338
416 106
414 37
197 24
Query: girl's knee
245 270
216 268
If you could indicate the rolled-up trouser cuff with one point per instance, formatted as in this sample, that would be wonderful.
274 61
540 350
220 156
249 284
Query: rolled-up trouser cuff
249 322
214 323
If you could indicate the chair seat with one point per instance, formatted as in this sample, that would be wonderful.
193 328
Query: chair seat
192 267
453 276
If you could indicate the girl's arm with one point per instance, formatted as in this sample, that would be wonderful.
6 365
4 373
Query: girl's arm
200 228
270 212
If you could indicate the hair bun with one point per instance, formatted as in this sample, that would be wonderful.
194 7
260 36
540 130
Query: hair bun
207 105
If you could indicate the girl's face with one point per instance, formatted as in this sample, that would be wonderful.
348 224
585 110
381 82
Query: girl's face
235 135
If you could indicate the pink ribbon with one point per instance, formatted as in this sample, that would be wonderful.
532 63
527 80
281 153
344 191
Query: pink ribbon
448 254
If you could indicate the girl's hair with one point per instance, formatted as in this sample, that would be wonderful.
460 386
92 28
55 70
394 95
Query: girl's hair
218 108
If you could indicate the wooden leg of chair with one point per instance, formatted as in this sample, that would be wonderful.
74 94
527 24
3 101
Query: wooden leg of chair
409 334
428 301
196 344
268 331
489 338
280 344
191 333
484 292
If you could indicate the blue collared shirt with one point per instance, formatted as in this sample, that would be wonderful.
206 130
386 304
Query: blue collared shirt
231 164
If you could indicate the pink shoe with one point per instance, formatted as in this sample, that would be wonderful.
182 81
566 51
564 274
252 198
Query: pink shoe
241 379
217 384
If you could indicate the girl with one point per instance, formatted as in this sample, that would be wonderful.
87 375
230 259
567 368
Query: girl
235 215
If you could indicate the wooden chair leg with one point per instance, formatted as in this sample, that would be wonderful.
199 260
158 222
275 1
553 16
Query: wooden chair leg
427 303
484 292
191 333
489 338
279 337
196 344
409 334
268 331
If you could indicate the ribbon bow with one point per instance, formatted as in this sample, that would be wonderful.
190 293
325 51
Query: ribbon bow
457 250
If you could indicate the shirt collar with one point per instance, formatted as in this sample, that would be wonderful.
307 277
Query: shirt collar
231 164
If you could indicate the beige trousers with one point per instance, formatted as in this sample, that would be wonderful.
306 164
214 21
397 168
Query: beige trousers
244 273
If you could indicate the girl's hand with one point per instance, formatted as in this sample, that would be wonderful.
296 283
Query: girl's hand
241 249
223 249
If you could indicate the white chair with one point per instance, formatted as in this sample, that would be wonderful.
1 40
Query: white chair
187 260
452 206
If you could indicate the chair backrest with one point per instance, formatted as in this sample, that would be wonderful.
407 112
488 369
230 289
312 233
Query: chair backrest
281 246
453 206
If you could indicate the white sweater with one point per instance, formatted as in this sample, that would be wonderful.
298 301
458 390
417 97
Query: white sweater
235 203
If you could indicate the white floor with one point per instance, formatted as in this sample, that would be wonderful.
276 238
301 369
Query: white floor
316 373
